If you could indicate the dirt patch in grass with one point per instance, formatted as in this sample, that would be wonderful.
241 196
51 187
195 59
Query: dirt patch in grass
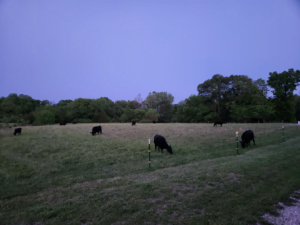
142 178
35 223
153 200
119 223
233 177
93 184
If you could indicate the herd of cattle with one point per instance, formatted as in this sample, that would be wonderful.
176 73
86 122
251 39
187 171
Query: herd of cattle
160 141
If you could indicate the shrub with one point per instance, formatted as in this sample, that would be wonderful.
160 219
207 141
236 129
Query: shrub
145 121
44 117
24 122
84 121
152 115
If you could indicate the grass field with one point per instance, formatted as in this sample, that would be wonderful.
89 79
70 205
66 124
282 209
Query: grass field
64 175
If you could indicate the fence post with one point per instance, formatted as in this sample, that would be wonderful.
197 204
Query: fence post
282 133
237 142
149 154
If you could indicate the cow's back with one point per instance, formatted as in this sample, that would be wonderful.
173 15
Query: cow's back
160 140
18 130
248 135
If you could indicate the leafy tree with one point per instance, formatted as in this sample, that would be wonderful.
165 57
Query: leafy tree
239 112
262 86
45 103
128 115
216 90
151 115
8 107
261 107
139 114
297 107
44 117
178 112
283 85
162 102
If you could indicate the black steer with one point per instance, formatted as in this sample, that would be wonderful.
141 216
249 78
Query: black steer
17 130
247 136
153 121
218 122
62 124
96 130
160 141
133 123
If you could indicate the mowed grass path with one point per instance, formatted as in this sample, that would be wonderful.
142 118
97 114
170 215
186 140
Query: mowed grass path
64 175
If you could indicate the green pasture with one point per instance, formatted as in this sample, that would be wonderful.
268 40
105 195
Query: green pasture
63 175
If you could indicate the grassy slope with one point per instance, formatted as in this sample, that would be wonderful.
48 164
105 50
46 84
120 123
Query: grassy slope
64 175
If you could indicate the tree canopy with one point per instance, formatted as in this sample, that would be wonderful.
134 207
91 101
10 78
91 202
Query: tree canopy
235 98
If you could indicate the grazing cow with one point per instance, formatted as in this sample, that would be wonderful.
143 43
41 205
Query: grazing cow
74 122
133 123
153 121
17 130
218 122
247 136
160 141
96 130
62 124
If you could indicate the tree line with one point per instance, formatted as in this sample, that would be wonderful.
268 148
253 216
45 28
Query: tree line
236 98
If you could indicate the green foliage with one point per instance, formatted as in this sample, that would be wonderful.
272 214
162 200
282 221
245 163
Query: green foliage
151 115
139 114
162 103
44 117
229 97
128 115
261 107
84 121
283 85
145 121
297 107
234 98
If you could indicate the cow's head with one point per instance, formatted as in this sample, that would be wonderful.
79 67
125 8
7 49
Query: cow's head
169 149
244 144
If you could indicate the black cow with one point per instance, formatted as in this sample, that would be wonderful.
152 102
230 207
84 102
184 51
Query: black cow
218 122
62 124
133 123
17 130
153 121
96 130
160 141
74 122
247 136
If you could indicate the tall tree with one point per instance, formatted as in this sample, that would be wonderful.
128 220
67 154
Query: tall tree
215 89
162 102
283 85
297 107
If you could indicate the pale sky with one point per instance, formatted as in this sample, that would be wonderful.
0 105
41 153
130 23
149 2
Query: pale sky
62 49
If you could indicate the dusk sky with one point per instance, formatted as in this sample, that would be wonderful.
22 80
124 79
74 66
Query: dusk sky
61 49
